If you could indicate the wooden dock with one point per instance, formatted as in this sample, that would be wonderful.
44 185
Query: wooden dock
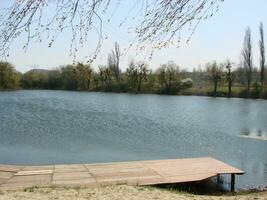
132 173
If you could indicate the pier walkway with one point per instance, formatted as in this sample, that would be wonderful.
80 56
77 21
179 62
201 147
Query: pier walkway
149 172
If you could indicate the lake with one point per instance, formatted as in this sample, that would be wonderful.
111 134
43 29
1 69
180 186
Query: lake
53 127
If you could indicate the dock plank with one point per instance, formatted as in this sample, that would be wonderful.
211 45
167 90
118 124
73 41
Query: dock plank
150 172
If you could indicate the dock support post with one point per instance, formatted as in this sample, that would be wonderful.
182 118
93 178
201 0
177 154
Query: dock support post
218 179
232 182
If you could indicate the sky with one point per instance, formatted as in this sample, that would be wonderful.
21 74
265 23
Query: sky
218 38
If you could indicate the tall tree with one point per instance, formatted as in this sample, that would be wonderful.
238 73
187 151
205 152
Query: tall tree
114 61
262 57
230 76
247 57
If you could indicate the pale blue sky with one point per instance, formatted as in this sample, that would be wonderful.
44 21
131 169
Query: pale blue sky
218 38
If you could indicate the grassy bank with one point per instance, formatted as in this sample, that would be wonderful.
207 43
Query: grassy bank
237 92
120 192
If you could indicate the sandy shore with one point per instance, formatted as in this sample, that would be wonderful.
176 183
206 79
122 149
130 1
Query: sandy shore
116 193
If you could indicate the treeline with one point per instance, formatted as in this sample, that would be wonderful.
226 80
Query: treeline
214 79
223 79
137 78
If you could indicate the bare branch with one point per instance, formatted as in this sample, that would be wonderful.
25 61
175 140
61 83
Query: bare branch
161 21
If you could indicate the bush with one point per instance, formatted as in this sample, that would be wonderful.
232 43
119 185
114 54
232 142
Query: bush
186 83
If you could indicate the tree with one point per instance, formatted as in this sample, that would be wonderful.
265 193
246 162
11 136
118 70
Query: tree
247 57
215 74
69 81
131 73
101 73
96 81
83 75
230 76
137 73
105 77
262 57
142 74
168 75
157 18
114 61
9 78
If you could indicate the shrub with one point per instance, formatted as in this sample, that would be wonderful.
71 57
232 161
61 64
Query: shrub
186 83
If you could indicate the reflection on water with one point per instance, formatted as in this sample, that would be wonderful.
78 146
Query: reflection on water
254 134
48 127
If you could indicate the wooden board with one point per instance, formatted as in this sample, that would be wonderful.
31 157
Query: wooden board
149 172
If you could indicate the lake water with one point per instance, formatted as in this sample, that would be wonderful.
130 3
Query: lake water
49 127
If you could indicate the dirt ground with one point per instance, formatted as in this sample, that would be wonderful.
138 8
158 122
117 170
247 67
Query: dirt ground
122 192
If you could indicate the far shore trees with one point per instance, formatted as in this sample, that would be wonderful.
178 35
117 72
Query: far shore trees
247 57
262 58
137 78
35 79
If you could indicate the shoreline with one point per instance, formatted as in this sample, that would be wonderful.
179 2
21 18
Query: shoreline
139 93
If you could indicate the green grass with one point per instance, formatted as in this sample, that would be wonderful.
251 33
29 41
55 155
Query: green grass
209 89
237 91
